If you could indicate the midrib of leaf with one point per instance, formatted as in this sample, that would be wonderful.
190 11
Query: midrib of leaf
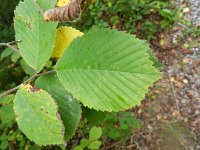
66 70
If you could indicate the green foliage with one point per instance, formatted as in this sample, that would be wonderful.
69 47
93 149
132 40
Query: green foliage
144 17
93 142
109 77
6 111
95 133
6 52
120 126
36 36
37 116
193 31
68 108
9 133
105 69
93 117
115 126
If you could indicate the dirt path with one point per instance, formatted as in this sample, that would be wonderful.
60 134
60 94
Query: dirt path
171 112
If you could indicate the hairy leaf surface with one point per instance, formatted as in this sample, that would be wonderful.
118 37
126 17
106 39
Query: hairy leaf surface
37 116
36 36
68 108
107 70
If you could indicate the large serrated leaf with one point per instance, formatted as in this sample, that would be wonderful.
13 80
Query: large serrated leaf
68 108
36 36
37 116
107 70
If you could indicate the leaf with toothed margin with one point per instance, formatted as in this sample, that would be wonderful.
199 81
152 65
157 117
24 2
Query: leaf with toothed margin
36 36
107 70
68 108
37 116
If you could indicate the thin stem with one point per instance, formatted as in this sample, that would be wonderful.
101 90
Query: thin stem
38 6
28 80
10 44
174 93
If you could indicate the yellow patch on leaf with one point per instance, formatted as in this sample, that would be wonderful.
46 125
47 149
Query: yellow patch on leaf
61 3
64 37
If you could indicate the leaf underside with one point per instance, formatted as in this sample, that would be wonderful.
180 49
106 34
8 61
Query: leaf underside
107 70
37 116
36 36
68 108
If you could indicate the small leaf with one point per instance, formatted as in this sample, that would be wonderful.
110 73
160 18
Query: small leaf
93 117
64 37
4 144
6 100
68 107
36 36
107 70
27 69
37 116
95 133
84 143
15 56
7 114
137 123
95 145
78 148
6 52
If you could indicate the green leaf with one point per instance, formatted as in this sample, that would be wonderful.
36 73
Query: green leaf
15 56
107 70
27 69
94 117
95 145
84 143
37 116
6 52
137 123
68 107
34 147
36 36
78 148
156 63
4 144
95 133
7 100
7 114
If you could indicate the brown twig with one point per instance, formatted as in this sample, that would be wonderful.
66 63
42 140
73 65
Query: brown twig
28 80
38 6
173 90
10 44
8 67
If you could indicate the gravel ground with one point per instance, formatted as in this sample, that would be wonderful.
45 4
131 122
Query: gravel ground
194 16
195 7
177 95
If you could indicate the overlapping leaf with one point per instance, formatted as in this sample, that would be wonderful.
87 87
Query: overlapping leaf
37 116
64 37
68 108
36 36
107 70
61 3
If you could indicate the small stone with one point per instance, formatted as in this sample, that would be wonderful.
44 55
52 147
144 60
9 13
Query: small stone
172 79
159 117
185 10
185 81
